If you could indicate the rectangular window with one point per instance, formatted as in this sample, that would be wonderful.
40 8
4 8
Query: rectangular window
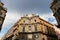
29 36
0 13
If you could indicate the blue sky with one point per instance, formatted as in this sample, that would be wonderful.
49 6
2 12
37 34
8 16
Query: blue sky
18 8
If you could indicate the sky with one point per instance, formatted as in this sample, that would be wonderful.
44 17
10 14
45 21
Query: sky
18 8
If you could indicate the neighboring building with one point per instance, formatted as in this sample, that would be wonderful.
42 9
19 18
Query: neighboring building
0 38
31 27
2 14
55 6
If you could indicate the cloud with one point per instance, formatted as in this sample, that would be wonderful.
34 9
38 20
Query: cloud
12 18
28 5
49 17
17 8
9 21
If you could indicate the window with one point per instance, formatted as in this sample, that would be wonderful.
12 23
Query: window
0 13
54 8
24 21
23 28
22 36
35 20
58 10
0 19
29 36
35 27
36 35
29 28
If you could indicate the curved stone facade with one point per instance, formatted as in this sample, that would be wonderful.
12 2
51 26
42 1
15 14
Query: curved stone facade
31 27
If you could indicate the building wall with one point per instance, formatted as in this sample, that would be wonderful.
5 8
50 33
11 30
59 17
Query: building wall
2 14
55 6
31 28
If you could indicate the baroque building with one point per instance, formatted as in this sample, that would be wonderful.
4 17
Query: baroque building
31 27
3 12
55 7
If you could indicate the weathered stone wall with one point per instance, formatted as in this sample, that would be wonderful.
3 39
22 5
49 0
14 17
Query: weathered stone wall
55 7
31 28
2 14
